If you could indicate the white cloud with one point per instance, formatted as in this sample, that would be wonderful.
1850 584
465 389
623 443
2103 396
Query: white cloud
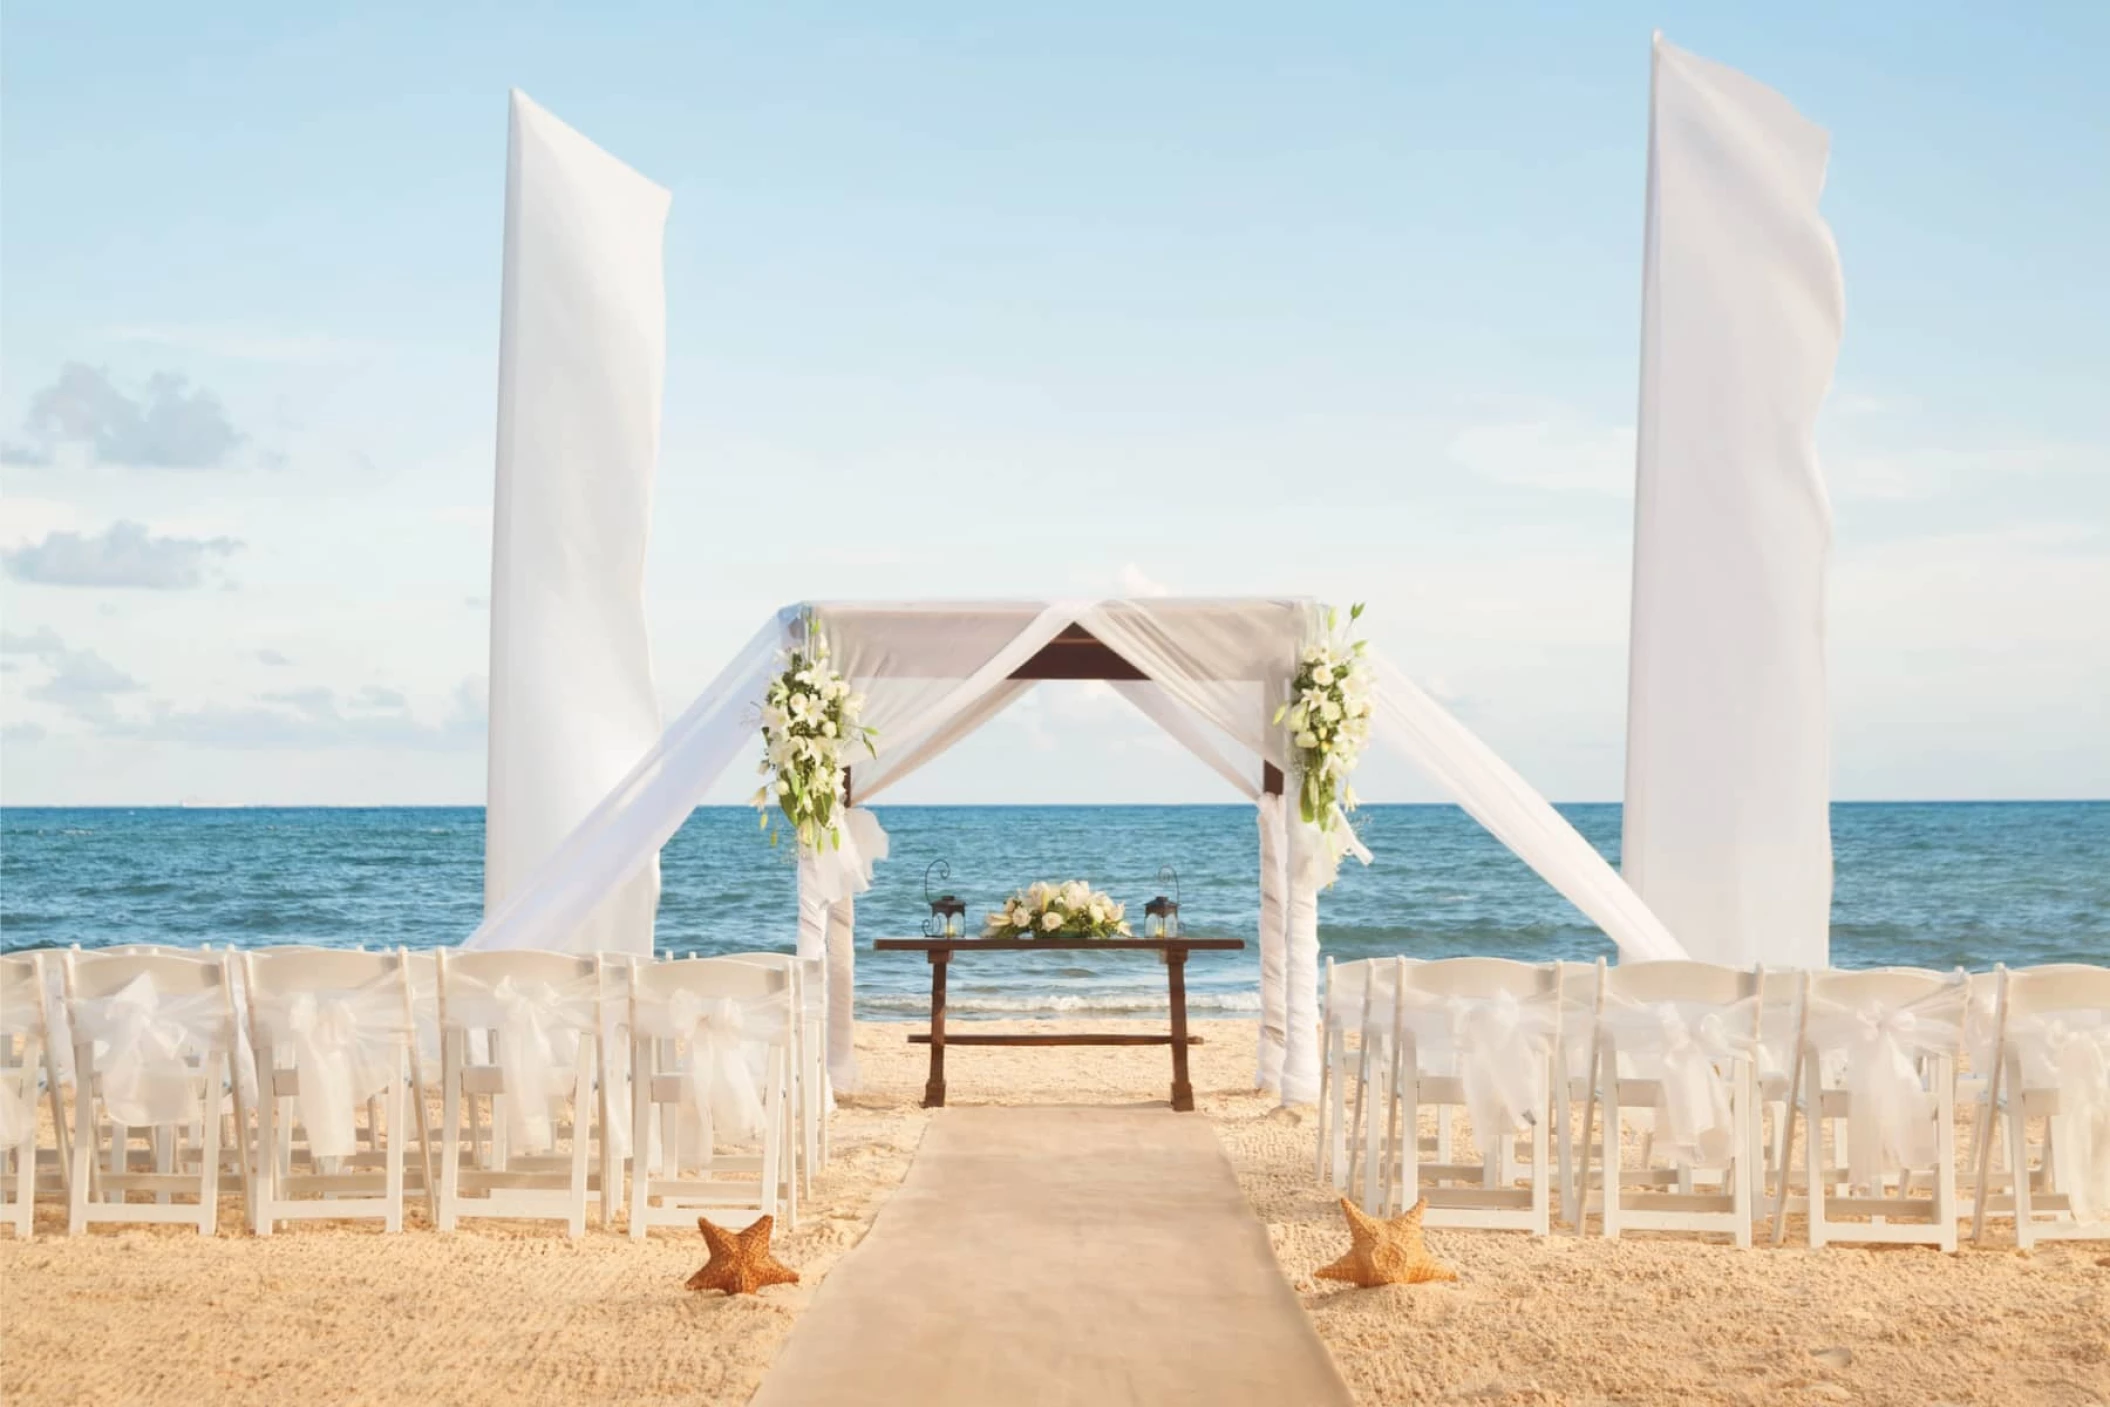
123 555
167 425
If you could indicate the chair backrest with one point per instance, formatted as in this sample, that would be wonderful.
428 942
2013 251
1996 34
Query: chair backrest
1882 986
1682 980
2056 988
708 977
96 974
522 964
283 972
21 996
1480 978
1346 982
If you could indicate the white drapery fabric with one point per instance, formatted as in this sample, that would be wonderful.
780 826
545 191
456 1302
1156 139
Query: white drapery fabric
1300 971
625 831
581 361
842 995
21 1018
347 1046
144 1042
2069 1051
1727 815
717 1082
1273 814
1492 793
1891 1112
1694 1052
540 1026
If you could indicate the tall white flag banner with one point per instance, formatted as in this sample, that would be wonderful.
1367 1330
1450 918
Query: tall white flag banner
581 362
1727 827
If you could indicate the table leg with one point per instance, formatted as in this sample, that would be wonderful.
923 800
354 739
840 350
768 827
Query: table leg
1176 982
934 1088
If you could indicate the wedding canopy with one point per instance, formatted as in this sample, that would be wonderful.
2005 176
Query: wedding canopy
1211 672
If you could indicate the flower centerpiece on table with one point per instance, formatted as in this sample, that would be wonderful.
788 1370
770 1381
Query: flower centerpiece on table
1328 716
1072 910
809 717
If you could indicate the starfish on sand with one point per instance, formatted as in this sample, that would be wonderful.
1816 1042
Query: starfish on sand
740 1261
1387 1252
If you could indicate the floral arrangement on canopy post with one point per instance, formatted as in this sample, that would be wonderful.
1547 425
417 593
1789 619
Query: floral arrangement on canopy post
809 717
1328 715
1072 910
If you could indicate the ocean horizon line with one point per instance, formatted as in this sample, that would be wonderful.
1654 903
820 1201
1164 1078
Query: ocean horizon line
8 806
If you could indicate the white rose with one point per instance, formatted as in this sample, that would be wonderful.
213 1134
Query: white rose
1330 711
1307 739
1322 676
784 787
1098 912
1051 920
1022 919
828 725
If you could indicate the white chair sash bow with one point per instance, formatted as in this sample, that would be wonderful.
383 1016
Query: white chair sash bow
347 1047
1692 1052
718 1083
1891 1111
2070 1052
19 1017
539 1028
144 1041
1497 1045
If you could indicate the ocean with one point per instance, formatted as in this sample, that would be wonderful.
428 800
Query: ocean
1925 884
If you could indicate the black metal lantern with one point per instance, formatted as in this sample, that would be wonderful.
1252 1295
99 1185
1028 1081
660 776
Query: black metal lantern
1161 916
947 913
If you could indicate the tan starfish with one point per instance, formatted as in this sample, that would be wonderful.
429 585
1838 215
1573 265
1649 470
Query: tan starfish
740 1261
1386 1252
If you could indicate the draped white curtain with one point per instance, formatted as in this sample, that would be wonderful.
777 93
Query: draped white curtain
1492 793
1273 813
1727 815
581 362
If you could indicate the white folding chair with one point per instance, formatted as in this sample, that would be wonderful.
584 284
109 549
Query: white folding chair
332 1030
809 1058
27 1072
1877 1066
2052 1064
698 1031
541 1018
1480 1035
1675 1042
1346 1008
152 1038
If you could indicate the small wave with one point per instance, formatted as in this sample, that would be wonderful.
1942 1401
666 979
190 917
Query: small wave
1111 1003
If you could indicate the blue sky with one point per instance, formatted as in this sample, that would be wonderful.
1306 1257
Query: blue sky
1331 300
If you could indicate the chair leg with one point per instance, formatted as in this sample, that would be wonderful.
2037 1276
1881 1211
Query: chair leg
642 1065
2018 1153
451 1056
1614 1159
83 1141
581 1139
397 1115
209 1153
1816 1194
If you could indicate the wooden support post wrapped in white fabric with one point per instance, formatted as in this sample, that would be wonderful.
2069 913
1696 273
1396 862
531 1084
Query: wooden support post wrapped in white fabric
842 995
1274 919
1300 1055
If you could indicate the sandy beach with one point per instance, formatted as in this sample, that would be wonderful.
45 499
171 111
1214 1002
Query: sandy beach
514 1313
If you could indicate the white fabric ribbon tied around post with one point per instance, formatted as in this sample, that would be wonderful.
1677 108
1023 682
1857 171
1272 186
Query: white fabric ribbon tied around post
144 1042
845 870
539 1028
347 1048
1319 865
1692 1053
2070 1052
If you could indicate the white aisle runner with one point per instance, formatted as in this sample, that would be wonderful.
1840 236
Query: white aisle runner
1053 1256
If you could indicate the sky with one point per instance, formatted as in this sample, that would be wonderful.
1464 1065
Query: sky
1328 300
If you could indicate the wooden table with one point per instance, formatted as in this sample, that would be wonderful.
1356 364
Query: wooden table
941 951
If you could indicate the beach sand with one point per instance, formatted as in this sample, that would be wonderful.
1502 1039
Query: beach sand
514 1313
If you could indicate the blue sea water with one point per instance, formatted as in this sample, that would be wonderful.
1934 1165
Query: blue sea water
1925 884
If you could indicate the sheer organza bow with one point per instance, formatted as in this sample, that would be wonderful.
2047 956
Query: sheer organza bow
2070 1052
19 1018
1891 1111
347 1047
1497 1045
144 1042
539 1026
1694 1053
716 1080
